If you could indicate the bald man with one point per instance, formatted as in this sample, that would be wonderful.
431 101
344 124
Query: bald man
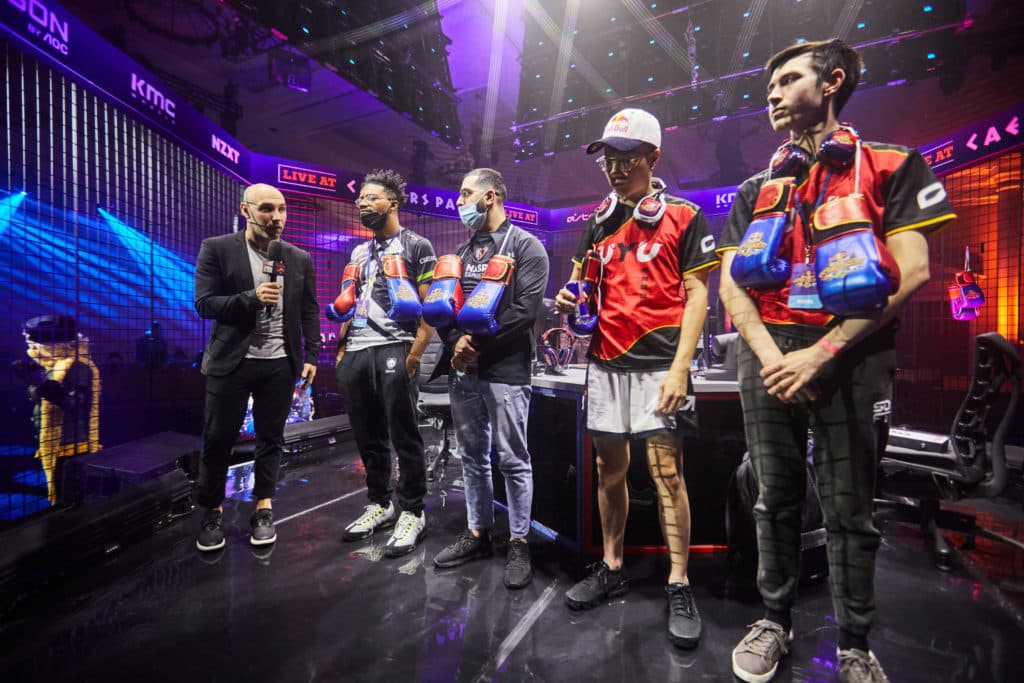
264 335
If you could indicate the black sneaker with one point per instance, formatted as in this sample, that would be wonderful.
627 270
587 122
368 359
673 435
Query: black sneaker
465 548
601 585
518 569
684 625
211 531
262 525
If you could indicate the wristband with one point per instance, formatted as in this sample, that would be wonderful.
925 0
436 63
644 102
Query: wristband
828 346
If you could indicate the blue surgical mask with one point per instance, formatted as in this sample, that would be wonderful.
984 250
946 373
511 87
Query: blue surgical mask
473 215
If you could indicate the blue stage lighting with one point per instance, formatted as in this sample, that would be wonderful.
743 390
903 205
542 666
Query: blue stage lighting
8 207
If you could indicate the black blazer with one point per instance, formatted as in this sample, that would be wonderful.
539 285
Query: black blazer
226 294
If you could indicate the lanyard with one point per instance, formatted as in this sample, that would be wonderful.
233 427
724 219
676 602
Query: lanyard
805 220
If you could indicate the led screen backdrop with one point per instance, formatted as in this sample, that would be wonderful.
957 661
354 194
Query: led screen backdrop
101 220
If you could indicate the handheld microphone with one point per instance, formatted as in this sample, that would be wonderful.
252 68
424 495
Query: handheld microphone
275 256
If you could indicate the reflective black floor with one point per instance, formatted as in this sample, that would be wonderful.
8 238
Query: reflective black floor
315 609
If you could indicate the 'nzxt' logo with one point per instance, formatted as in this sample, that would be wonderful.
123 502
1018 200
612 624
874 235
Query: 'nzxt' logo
153 98
223 148
644 252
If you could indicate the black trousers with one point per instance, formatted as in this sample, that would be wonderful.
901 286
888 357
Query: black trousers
271 384
381 403
850 423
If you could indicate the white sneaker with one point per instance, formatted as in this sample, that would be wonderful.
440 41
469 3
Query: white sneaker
374 517
409 531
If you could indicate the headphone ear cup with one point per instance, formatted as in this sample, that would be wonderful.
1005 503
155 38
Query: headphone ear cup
605 208
650 209
839 148
789 161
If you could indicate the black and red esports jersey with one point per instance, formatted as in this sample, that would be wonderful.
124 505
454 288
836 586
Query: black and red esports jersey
641 296
902 194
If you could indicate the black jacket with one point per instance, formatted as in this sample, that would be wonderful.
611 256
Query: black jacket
226 294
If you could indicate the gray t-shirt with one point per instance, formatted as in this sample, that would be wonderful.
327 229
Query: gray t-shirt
268 337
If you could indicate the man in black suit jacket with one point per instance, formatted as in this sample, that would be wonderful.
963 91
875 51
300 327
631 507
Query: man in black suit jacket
254 349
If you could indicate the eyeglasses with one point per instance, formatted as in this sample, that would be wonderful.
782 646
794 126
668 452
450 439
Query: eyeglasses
625 165
373 198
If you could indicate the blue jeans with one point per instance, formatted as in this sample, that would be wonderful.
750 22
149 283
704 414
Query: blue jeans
487 413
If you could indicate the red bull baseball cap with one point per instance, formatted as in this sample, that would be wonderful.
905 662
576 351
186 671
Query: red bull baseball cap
627 130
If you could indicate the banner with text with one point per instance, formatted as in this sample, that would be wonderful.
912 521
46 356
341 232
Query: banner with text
60 39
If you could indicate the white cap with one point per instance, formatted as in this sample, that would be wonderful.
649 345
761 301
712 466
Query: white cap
628 129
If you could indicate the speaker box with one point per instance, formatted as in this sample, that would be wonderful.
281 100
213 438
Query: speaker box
94 476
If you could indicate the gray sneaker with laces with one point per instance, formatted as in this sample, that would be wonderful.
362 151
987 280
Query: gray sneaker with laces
857 666
756 658
409 531
374 517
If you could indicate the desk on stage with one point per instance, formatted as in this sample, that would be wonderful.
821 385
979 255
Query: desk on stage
565 477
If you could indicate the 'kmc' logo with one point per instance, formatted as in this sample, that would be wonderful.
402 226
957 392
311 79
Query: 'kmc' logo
154 99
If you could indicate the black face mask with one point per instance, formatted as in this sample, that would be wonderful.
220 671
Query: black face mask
373 220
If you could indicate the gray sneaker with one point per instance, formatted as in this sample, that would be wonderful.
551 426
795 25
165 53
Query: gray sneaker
757 656
409 531
374 517
857 666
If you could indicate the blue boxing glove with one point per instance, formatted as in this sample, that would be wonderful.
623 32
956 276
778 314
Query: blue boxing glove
583 319
444 298
478 315
757 263
405 303
856 274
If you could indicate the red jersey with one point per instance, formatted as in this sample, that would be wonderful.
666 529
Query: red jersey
640 296
901 193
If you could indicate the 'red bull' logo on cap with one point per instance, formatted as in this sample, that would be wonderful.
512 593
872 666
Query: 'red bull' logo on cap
618 124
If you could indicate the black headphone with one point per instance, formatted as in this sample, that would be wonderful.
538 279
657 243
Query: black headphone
837 151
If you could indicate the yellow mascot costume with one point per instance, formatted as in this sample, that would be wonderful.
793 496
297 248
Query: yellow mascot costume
65 391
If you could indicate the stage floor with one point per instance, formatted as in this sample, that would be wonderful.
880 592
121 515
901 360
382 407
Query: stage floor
317 609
